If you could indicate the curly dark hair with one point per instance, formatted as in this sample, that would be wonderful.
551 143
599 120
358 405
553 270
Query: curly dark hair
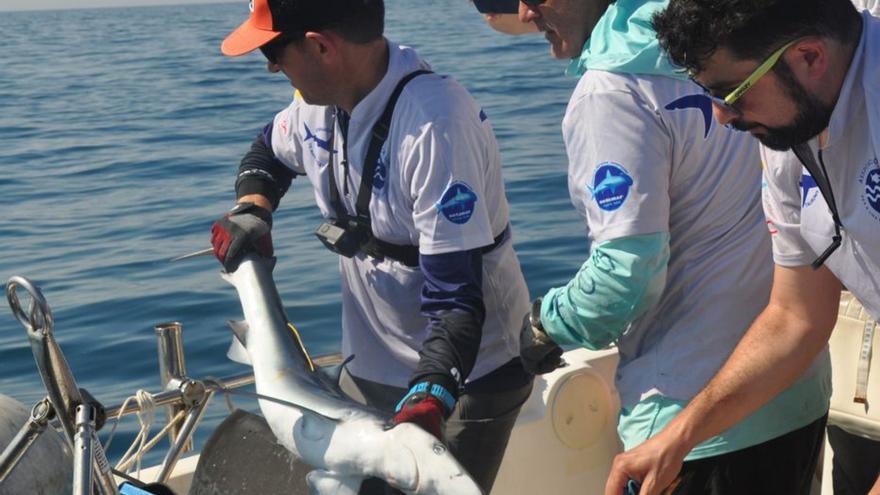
692 30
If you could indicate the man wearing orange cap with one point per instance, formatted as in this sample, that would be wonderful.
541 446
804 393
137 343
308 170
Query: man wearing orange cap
407 175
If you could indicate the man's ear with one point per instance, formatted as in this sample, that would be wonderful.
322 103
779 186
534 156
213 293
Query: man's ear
324 46
809 58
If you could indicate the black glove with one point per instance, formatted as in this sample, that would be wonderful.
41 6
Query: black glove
246 228
538 352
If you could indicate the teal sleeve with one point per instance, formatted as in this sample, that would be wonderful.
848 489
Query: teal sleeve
622 279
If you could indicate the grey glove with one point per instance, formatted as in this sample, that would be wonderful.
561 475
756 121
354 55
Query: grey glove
246 228
538 352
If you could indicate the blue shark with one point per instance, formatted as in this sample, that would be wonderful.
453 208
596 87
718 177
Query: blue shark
701 102
322 143
611 183
341 439
461 198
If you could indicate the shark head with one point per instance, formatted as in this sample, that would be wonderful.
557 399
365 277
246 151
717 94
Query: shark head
421 464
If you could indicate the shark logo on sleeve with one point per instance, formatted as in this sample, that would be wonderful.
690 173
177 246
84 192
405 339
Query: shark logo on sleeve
320 148
611 184
457 203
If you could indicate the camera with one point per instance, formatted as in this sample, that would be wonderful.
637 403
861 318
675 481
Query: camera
341 237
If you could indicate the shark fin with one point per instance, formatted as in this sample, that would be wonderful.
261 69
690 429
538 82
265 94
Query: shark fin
333 372
237 348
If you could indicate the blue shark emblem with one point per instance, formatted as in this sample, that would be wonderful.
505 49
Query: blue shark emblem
611 186
700 102
317 145
457 203
808 183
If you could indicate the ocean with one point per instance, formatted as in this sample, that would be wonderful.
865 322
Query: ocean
121 131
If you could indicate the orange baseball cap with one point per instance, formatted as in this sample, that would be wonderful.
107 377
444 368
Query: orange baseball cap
255 32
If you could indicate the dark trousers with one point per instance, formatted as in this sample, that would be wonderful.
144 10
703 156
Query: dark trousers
856 463
476 433
782 466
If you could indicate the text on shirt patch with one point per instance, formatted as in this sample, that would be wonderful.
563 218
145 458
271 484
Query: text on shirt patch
320 147
611 185
457 203
870 179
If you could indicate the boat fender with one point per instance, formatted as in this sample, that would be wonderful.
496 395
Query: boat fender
32 475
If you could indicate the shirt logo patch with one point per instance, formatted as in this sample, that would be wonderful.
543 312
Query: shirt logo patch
870 178
457 203
319 147
809 190
611 185
701 102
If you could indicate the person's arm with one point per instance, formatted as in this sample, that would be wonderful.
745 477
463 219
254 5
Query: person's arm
875 490
262 180
452 300
622 279
776 350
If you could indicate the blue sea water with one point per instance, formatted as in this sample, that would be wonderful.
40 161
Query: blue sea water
120 135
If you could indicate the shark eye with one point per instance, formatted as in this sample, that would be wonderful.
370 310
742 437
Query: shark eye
439 448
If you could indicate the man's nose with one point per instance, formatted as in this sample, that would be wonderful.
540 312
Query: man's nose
527 14
725 114
272 67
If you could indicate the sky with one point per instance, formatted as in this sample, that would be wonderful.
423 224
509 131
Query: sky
6 5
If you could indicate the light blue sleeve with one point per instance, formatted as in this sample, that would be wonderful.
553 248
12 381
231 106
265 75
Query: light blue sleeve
622 279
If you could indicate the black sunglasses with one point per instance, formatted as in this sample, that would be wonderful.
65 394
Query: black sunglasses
497 6
532 3
273 49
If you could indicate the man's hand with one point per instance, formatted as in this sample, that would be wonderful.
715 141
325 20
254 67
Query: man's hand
246 228
538 352
654 465
427 405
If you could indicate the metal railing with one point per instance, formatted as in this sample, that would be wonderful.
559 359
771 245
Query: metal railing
73 412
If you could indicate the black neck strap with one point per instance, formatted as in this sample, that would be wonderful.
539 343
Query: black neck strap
378 138
805 155
820 176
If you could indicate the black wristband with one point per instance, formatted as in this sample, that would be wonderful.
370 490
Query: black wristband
248 207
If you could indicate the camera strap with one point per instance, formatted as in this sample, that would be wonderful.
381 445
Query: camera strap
408 255
370 245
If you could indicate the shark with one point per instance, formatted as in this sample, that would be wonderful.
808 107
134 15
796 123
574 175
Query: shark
611 183
460 198
322 143
310 415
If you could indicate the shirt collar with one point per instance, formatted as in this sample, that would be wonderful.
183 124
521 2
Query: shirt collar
851 99
401 61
